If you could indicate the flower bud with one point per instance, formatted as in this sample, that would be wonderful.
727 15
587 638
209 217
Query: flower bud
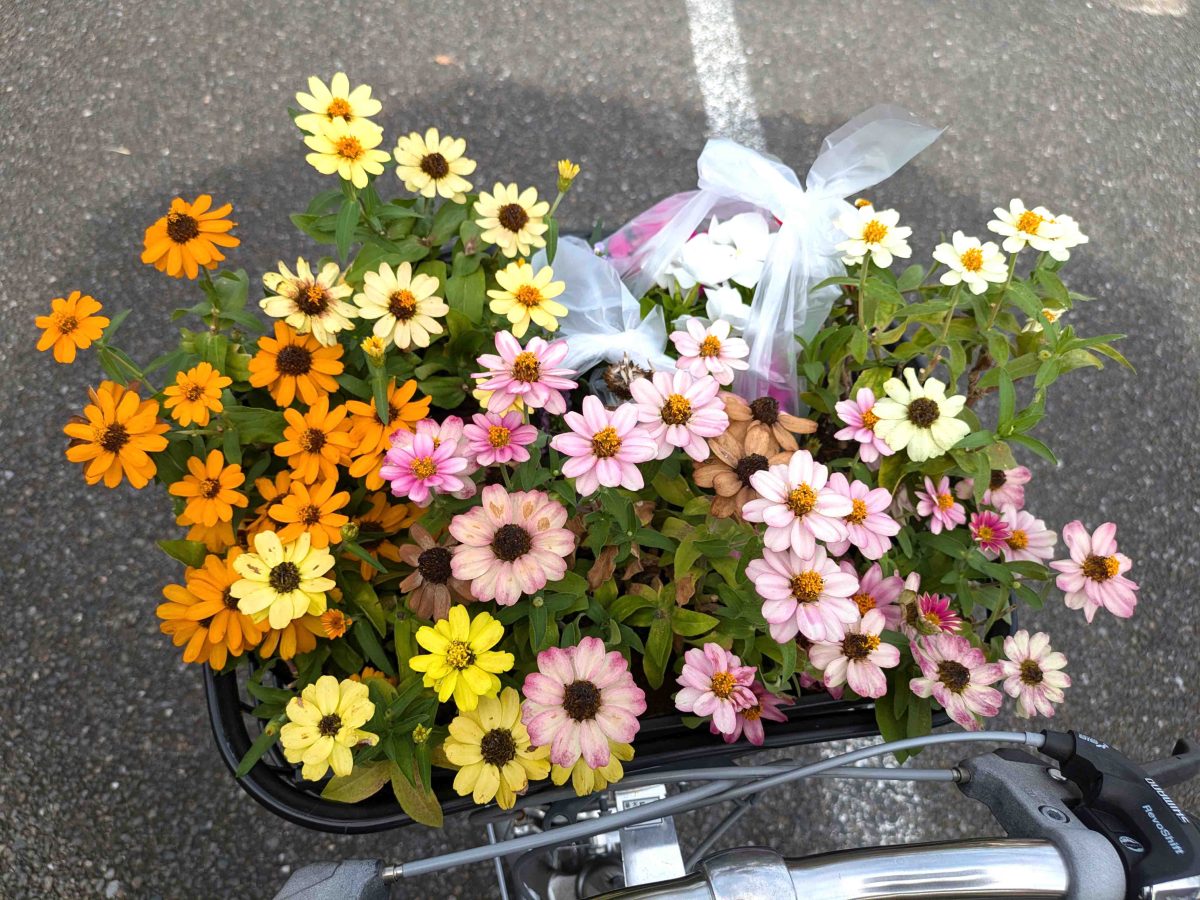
861 202
375 350
567 171
350 531
420 734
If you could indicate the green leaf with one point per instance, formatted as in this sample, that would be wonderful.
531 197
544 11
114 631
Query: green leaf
1035 445
910 279
347 221
1000 456
551 241
261 745
358 552
1008 399
1028 302
115 323
256 425
648 537
787 659
689 623
364 633
363 596
418 802
446 221
231 290
467 293
364 781
858 345
658 651
190 553
920 716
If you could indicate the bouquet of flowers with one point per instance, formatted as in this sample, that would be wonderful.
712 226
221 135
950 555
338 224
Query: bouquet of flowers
489 496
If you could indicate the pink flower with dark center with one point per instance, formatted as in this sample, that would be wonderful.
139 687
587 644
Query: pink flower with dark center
511 544
715 683
1007 488
937 504
417 469
1094 576
809 595
531 374
860 419
797 505
1033 673
579 699
679 411
749 721
930 614
493 438
604 446
1028 538
868 525
957 676
710 351
989 531
878 593
859 658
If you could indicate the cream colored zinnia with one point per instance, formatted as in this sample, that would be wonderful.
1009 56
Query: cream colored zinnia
282 582
324 723
310 303
919 418
347 149
337 101
512 219
526 296
405 306
434 165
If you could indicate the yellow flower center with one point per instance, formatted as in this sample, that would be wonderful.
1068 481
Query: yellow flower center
722 684
349 148
528 296
499 436
972 259
65 323
874 232
338 106
1018 540
1030 222
753 713
709 347
870 420
1101 568
459 655
859 646
807 586
984 534
606 442
424 467
526 367
402 304
945 501
311 299
858 512
864 602
801 500
677 410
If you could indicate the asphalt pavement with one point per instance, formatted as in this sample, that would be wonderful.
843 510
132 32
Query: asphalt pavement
109 783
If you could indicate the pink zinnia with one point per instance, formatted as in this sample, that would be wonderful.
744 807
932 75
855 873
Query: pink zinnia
860 419
1028 538
511 544
605 447
710 351
715 683
417 468
448 431
989 531
878 593
579 699
749 721
797 505
530 374
868 525
930 614
1094 576
809 683
1033 673
679 411
1007 488
937 504
859 658
957 675
805 594
493 438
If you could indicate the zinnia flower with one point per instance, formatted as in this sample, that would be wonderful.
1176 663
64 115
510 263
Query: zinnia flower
211 489
586 780
347 149
434 165
419 466
763 416
313 510
290 364
859 416
530 374
873 233
868 525
969 262
196 394
734 459
461 662
604 446
337 101
294 639
431 585
957 676
324 723
929 614
749 721
1069 237
188 237
280 582
919 418
495 439
877 593
512 219
1094 576
797 505
859 658
805 594
733 250
336 623
1033 673
710 350
405 306
526 297
115 436
216 539
315 443
202 617
491 747
72 325
1007 487
1020 226
938 505
680 411
1028 538
310 303
372 438
715 683
989 531
511 544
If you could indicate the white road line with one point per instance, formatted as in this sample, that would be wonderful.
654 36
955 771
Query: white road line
721 70
1175 8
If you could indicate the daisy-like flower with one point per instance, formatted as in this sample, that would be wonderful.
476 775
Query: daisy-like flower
310 303
281 582
291 364
315 443
461 662
216 539
715 683
1006 487
491 747
809 595
605 447
1033 673
680 411
530 374
797 505
210 489
405 306
579 700
970 262
431 585
873 233
1069 237
372 438
868 525
1028 538
418 467
989 531
202 617
312 509
937 504
324 724
526 296
512 219
929 614
495 439
749 721
734 250
764 416
115 436
348 150
734 460
294 639
511 544
710 350
1020 227
1094 576
336 623
919 418
957 676
271 490
72 325
447 435
433 165
586 780
196 395
877 593
337 101
189 236
859 416
859 658
369 672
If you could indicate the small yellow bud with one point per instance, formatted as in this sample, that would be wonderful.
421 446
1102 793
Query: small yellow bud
567 171
374 348
421 734
861 202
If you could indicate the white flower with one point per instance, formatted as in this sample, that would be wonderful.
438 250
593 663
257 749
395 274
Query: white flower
1069 236
734 250
1048 314
971 262
1020 226
919 418
405 306
310 303
725 302
873 232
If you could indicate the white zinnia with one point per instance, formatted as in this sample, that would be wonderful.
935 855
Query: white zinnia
873 232
919 418
725 302
1069 236
733 250
1020 226
403 305
971 262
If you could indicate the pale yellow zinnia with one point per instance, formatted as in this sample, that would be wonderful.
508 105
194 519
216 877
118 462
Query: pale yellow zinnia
337 101
434 165
324 723
310 303
405 306
491 747
347 149
512 219
527 296
282 582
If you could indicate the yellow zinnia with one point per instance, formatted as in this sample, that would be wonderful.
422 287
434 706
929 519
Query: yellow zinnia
491 747
434 165
324 722
461 662
337 101
308 302
281 582
527 296
347 149
512 219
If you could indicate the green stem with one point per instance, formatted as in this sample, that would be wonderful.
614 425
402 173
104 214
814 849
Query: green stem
1012 267
210 291
941 341
554 205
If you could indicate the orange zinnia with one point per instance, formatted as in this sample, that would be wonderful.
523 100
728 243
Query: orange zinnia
216 539
271 491
372 437
211 489
382 520
71 325
196 394
204 619
298 636
116 435
292 363
315 442
188 236
336 623
314 510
